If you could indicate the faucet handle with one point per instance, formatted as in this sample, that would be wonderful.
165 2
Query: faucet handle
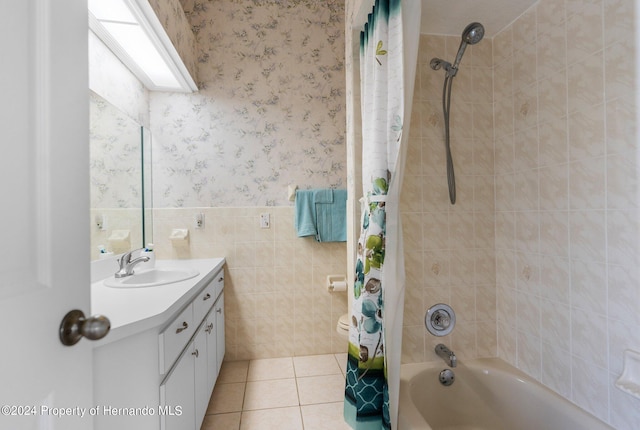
126 257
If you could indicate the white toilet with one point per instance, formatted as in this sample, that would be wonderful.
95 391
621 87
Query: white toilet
343 326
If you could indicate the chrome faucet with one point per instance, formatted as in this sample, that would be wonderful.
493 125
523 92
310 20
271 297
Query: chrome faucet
127 264
446 354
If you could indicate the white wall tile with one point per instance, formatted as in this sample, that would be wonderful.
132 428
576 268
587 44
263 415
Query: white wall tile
556 369
588 180
589 337
590 388
554 233
272 285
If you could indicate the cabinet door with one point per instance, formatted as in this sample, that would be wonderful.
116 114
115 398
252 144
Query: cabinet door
212 355
177 395
219 309
201 385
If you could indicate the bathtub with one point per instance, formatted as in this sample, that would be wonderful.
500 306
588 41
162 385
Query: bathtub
487 394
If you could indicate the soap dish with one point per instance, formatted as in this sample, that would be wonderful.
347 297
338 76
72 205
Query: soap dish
629 381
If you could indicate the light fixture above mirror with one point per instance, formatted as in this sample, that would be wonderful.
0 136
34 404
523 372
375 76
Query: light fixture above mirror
135 35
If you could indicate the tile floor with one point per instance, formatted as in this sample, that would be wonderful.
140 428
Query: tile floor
294 393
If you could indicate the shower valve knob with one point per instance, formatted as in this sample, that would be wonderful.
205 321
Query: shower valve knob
440 319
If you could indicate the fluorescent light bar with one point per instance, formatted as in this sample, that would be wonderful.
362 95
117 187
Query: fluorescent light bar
112 10
137 44
117 24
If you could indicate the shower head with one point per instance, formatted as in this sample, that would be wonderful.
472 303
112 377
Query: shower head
471 35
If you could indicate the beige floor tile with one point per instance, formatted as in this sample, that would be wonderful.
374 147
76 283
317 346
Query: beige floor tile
233 371
326 416
316 365
226 398
321 389
270 368
272 419
221 422
276 393
342 362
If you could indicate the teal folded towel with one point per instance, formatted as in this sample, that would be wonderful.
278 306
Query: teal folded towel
323 196
322 214
305 215
331 217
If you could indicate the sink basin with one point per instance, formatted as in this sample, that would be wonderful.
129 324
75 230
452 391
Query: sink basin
152 277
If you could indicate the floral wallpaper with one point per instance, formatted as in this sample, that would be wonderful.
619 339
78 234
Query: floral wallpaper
114 158
174 21
269 112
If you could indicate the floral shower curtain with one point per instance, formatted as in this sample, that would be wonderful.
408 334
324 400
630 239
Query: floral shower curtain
373 365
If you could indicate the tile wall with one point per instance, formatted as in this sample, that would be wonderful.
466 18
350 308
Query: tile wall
548 187
566 204
276 299
449 249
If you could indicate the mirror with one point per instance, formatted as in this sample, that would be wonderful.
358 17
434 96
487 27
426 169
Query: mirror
120 191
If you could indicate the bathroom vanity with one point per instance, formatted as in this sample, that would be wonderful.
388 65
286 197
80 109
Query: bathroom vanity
157 367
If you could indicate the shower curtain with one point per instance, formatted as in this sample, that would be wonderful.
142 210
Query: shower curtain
388 55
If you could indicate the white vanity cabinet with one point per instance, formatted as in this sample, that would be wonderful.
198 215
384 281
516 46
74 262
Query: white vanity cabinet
193 375
162 377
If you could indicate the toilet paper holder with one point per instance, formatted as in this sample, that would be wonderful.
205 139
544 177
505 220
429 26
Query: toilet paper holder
337 283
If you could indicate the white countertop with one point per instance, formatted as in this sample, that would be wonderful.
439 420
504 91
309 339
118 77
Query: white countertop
133 310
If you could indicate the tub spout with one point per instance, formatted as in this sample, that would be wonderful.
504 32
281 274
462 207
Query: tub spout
446 354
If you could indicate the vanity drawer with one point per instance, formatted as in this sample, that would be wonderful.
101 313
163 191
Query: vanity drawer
203 302
218 280
174 338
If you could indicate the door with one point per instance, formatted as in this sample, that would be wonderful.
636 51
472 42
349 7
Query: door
44 222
